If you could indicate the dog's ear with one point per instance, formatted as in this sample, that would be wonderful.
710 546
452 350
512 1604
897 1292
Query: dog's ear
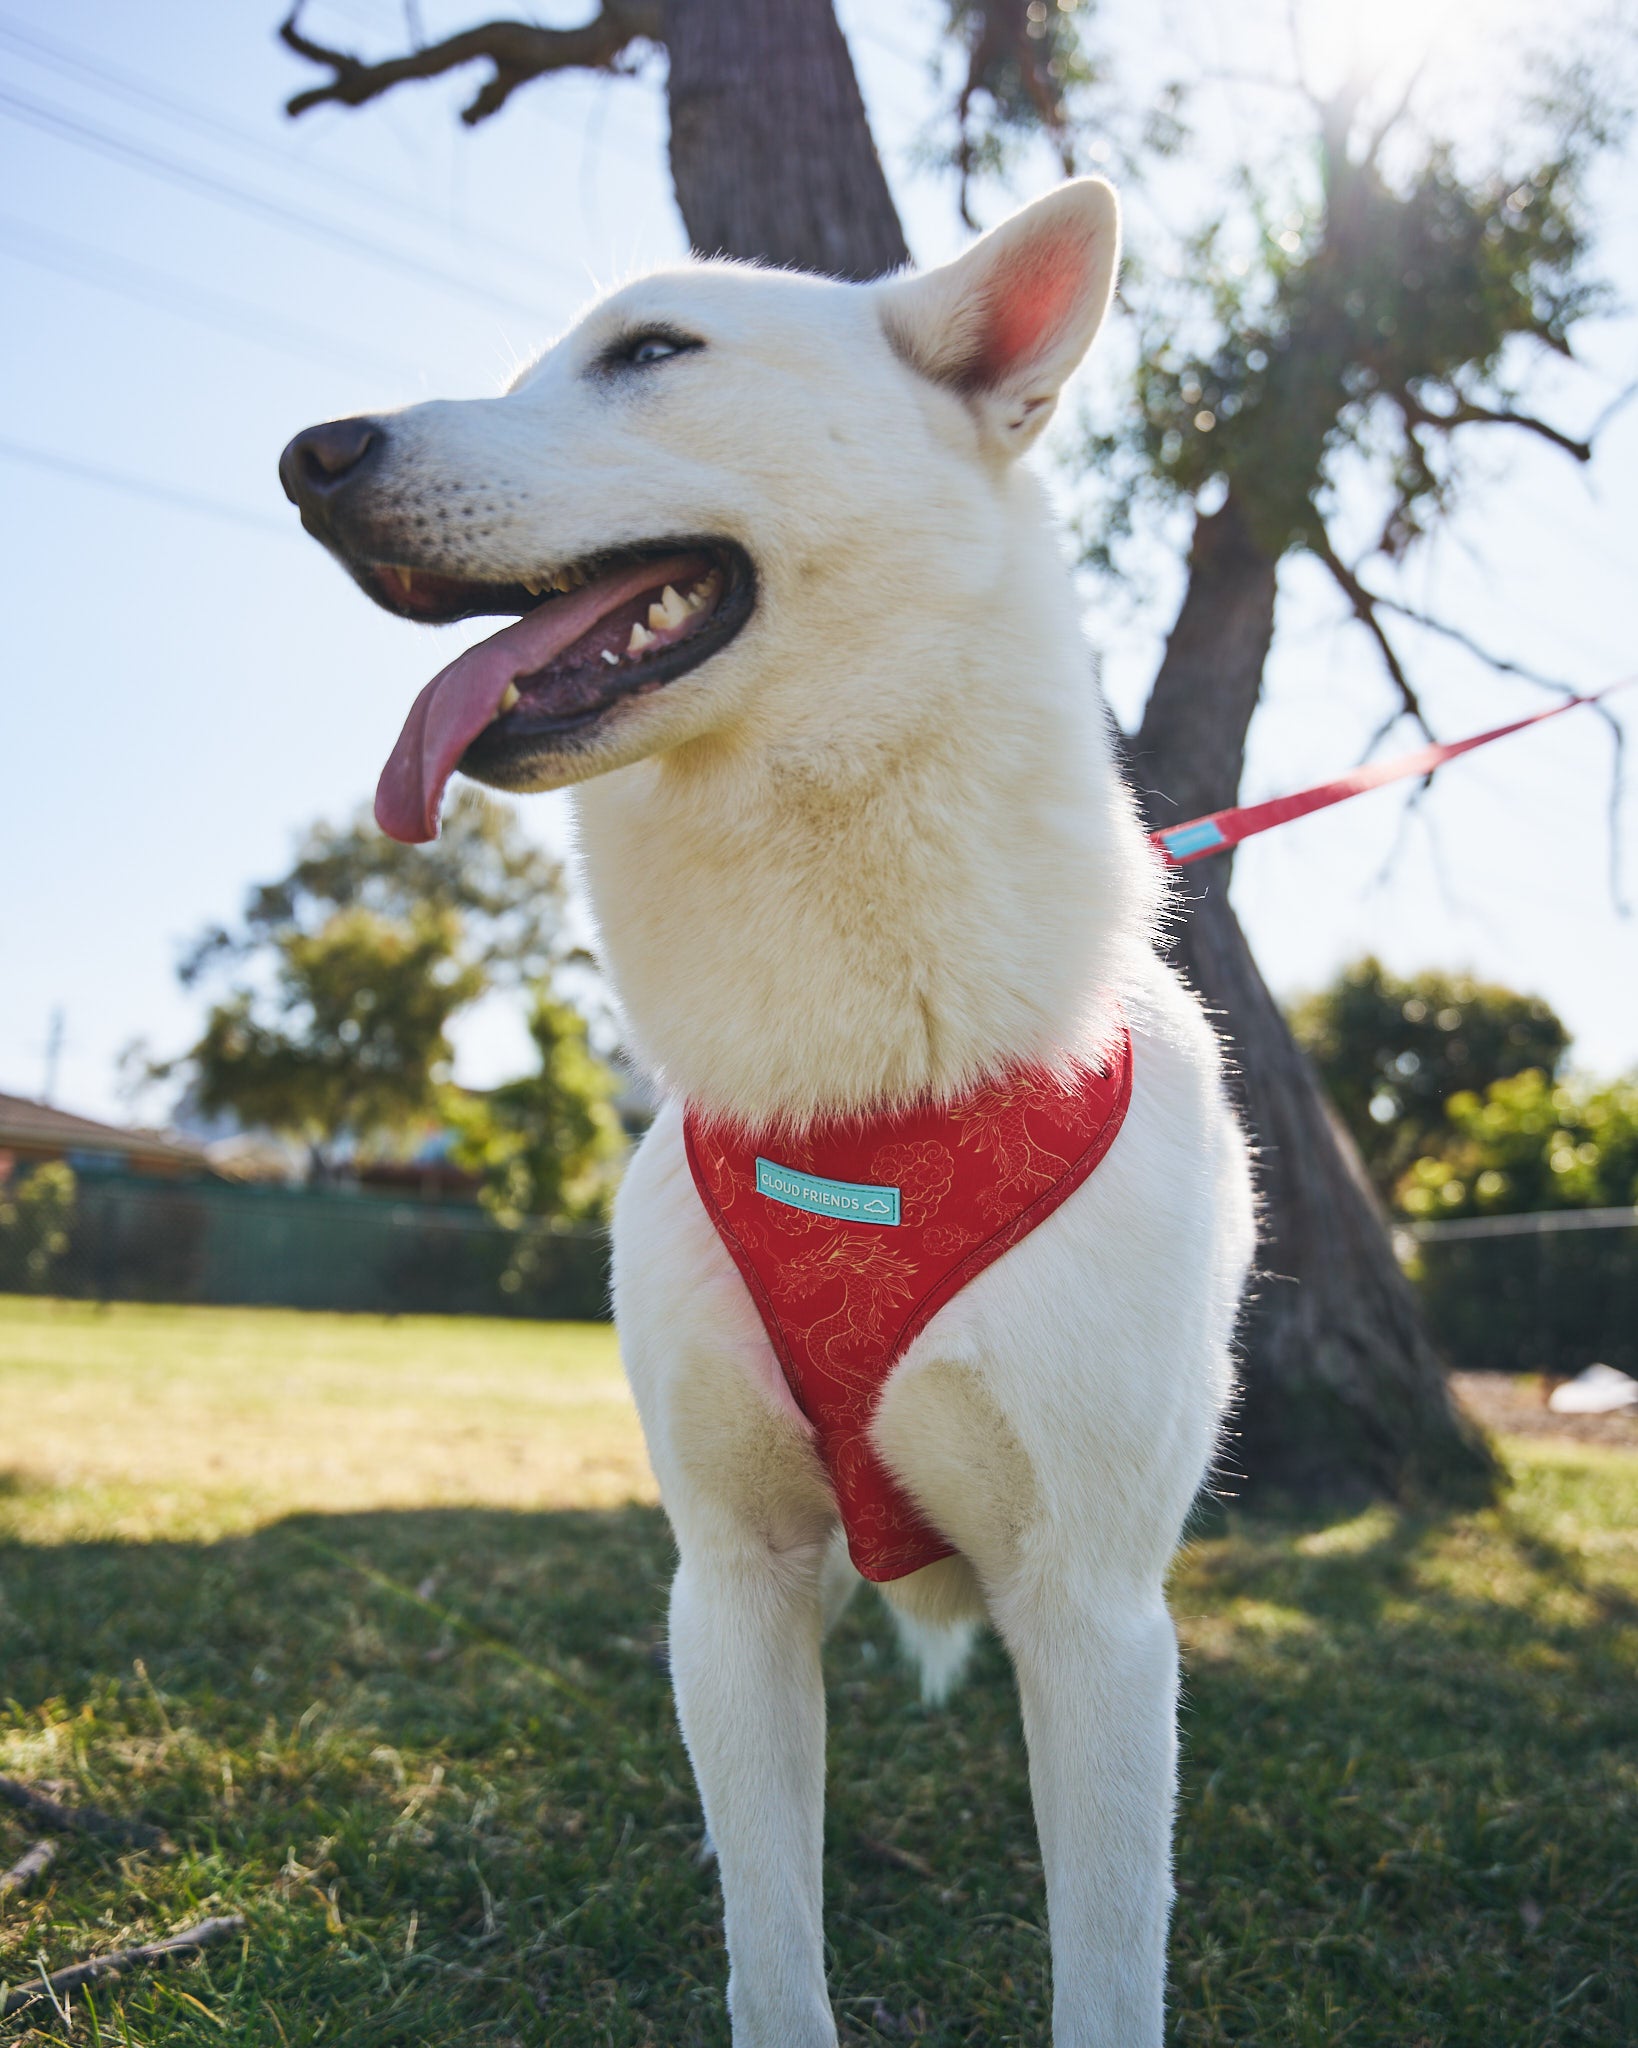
1007 321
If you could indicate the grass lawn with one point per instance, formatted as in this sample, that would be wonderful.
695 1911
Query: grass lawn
365 1614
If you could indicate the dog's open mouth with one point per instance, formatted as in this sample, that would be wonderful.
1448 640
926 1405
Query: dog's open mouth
589 636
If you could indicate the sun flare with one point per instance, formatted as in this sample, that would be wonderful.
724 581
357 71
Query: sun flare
1383 39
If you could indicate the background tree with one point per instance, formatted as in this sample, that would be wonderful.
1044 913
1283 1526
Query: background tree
1343 1389
547 1147
1530 1299
350 966
350 1044
504 894
1393 1052
36 1219
1526 1144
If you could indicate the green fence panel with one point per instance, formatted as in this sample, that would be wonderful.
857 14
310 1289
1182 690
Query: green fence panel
151 1240
1551 1302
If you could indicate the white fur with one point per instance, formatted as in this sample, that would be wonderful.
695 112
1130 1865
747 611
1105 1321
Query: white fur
877 847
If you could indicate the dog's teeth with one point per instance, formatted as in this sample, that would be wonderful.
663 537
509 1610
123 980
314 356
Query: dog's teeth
511 697
657 617
533 584
672 606
611 657
641 637
406 581
562 582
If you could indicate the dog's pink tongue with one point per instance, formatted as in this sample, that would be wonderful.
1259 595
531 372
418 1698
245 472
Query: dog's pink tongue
444 720
462 699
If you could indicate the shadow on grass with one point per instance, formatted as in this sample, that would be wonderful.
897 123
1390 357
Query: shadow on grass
407 1605
431 1754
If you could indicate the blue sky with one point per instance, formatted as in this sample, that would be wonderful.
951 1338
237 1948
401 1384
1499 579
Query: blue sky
189 278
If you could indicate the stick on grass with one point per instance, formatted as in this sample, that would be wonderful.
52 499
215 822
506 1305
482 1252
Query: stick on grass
31 1864
82 1820
188 1942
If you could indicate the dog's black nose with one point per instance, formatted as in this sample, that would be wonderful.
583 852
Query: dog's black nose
321 461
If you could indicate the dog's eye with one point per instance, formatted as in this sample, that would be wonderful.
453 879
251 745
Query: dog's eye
657 345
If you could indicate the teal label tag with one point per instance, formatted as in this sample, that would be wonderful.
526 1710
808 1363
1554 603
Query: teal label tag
847 1199
1182 842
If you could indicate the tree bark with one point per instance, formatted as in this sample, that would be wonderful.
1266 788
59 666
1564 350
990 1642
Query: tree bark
1191 745
771 154
1343 1394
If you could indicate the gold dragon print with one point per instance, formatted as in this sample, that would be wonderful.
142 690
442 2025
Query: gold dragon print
995 1119
847 1340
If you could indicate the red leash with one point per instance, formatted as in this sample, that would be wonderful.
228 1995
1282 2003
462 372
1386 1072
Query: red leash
1202 836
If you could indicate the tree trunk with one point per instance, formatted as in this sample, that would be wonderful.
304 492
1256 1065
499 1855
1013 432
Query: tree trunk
1344 1395
1191 745
771 154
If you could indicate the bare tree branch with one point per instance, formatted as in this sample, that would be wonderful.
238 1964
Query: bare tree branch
1409 811
517 50
1391 120
1465 413
1381 733
1414 812
1497 662
1364 605
1621 398
188 1942
1007 33
1299 59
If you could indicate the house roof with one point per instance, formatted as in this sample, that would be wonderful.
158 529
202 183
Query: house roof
38 1127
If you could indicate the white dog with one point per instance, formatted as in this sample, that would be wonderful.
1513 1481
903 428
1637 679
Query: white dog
793 622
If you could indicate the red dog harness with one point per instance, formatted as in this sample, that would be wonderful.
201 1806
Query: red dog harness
851 1238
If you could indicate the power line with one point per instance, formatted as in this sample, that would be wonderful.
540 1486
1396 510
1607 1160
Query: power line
138 91
108 272
145 487
55 121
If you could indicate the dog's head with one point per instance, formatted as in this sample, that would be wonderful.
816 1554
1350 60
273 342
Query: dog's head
675 499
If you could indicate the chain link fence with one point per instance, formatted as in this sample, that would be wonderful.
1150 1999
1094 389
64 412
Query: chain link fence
1547 1293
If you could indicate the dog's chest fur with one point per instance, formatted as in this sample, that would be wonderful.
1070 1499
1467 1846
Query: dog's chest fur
945 878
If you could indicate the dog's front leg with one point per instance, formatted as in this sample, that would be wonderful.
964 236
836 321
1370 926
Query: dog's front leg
1097 1684
745 1625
